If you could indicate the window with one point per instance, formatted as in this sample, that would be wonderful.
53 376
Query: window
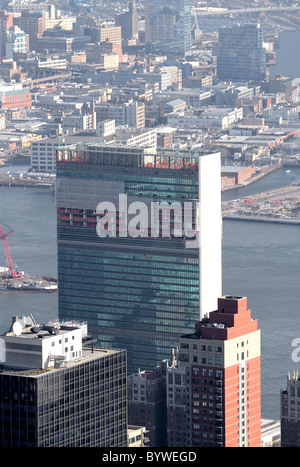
177 379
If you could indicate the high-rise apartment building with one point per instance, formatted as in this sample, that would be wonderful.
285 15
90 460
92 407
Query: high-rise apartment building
168 26
6 22
240 53
129 22
290 412
33 24
147 403
16 42
138 288
58 391
214 391
178 405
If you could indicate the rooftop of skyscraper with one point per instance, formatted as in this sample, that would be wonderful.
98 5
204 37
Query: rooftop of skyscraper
230 320
32 349
102 154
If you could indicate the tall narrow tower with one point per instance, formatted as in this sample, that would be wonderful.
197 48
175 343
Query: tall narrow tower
219 365
129 22
138 290
93 115
168 26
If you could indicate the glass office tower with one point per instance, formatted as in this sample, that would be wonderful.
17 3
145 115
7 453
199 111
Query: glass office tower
137 283
168 26
240 53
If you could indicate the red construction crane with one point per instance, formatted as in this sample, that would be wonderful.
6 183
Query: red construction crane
6 250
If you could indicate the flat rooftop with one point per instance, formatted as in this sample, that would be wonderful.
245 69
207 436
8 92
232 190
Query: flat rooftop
88 354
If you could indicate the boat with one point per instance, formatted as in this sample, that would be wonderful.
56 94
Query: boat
31 286
39 288
26 283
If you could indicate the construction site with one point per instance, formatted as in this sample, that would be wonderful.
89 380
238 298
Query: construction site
280 205
12 280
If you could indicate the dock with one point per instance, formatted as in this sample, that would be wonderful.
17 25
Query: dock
26 283
27 179
279 205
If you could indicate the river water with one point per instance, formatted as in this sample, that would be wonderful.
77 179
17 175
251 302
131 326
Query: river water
260 261
288 55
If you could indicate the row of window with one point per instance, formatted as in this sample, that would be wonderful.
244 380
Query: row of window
217 361
134 265
202 347
106 283
127 258
207 372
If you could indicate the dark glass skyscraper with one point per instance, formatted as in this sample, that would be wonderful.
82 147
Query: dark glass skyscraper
57 391
168 26
240 53
137 289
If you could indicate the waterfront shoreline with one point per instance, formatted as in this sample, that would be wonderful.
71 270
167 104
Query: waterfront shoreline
262 219
253 179
281 205
6 180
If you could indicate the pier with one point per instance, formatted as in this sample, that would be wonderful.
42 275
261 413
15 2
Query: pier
281 205
27 179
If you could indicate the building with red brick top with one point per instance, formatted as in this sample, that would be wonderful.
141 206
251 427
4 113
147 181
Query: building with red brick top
237 173
220 370
6 20
14 97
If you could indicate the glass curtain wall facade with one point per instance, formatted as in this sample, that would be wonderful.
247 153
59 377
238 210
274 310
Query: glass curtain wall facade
137 293
82 405
240 53
168 26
